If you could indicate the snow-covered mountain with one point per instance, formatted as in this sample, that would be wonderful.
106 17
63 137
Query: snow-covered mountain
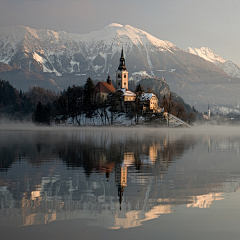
62 59
228 67
61 52
94 53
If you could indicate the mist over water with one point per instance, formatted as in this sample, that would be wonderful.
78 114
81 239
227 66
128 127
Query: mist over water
143 181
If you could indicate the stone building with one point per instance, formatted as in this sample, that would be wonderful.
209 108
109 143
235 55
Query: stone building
149 102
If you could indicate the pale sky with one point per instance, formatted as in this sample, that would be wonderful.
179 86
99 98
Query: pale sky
185 23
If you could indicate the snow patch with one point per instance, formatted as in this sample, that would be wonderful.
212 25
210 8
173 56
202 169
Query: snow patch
168 70
147 96
43 62
96 68
115 25
141 73
103 117
73 63
80 74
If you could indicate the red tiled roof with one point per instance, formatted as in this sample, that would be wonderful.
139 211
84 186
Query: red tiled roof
104 87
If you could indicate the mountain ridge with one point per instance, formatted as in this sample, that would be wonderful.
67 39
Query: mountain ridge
229 67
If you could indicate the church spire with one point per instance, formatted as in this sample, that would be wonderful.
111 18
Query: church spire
122 73
122 56
122 62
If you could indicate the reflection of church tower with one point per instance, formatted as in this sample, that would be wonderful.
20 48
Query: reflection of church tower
122 74
121 179
209 112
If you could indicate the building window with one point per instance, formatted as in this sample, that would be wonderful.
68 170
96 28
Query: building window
125 76
125 84
119 75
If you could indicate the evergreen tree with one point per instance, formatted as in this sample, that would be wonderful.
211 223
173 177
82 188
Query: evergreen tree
61 106
8 95
20 94
139 89
41 114
12 104
75 101
88 93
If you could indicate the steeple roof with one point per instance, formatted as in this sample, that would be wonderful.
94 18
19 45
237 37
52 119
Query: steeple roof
122 62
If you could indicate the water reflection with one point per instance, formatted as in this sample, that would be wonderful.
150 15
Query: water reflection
113 178
205 201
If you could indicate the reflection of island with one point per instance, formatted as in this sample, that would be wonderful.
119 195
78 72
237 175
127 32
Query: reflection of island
113 179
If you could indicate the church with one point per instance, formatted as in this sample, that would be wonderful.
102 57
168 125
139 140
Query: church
126 98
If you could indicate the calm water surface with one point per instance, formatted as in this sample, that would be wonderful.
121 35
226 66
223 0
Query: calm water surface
97 183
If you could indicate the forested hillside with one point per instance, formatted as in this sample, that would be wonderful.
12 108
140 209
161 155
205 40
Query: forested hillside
18 105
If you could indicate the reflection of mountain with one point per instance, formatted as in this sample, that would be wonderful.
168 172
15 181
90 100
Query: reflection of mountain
205 201
113 178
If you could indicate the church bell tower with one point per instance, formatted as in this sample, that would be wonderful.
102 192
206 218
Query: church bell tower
122 74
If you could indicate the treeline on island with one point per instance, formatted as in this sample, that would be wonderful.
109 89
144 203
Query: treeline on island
44 106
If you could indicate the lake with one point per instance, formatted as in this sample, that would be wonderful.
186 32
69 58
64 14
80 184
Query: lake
119 183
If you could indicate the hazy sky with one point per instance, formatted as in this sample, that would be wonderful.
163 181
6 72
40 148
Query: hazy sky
194 23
